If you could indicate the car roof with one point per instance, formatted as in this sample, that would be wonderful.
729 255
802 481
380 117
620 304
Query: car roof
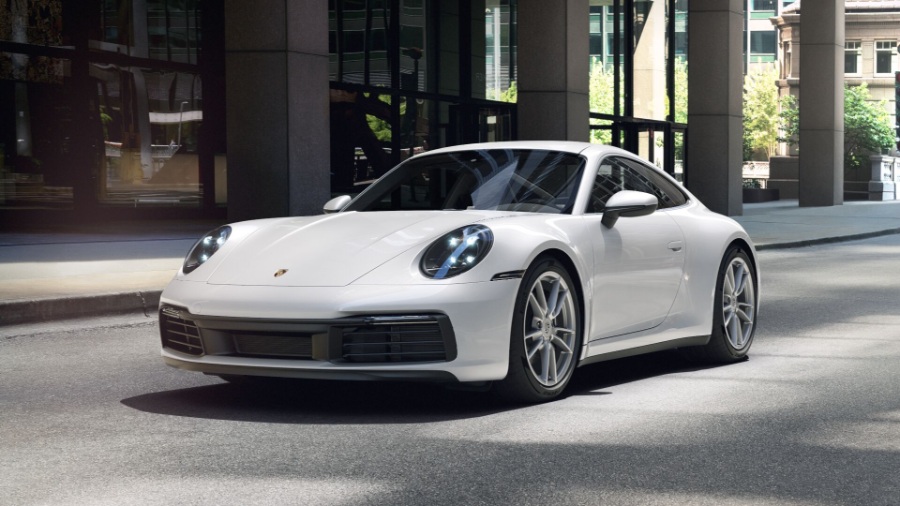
564 146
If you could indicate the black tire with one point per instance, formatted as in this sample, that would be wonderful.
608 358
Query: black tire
555 339
734 312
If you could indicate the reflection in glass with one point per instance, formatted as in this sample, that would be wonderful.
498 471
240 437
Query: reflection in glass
36 130
40 23
499 46
358 41
166 30
501 179
361 134
151 121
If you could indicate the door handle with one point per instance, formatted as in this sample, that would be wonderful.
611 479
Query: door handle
676 246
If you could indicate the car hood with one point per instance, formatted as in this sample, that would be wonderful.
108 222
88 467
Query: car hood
332 250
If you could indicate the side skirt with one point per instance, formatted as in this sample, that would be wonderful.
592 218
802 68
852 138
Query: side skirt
665 345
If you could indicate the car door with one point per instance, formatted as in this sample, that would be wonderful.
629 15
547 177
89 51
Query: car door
639 262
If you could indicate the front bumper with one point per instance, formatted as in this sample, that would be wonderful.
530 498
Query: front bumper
424 332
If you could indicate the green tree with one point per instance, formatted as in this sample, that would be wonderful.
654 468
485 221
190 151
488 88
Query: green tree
867 126
761 112
789 120
510 95
600 98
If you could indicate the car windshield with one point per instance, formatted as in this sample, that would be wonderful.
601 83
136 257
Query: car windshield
538 181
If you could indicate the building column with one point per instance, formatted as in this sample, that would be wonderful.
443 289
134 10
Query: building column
822 103
715 104
553 70
277 119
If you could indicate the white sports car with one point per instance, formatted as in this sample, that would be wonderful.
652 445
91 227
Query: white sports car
507 263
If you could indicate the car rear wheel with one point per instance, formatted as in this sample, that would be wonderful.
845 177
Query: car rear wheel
546 335
734 312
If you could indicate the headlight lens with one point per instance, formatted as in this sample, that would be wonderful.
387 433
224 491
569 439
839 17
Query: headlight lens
457 252
205 247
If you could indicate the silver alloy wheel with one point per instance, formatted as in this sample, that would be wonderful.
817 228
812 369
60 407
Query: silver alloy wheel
550 330
738 303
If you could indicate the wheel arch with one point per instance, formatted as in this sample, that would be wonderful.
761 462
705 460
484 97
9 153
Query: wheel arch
745 246
569 264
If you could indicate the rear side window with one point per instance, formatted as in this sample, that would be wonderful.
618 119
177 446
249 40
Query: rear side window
617 173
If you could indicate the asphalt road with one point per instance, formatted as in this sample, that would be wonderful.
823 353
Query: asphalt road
89 415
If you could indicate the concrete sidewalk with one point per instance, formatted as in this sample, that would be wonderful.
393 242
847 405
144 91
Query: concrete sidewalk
119 268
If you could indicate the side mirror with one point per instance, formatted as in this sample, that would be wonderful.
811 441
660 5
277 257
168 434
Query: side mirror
627 204
336 204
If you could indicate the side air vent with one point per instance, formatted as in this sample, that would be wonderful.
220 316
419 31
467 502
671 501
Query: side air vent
179 333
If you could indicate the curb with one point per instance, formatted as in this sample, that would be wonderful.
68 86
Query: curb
827 240
48 309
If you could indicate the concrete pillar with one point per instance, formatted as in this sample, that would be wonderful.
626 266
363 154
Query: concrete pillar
277 91
553 68
715 104
822 103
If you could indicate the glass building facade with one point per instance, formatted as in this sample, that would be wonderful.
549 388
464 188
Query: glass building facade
105 107
116 108
639 78
412 75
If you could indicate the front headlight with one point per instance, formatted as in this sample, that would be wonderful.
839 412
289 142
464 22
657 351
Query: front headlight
457 252
205 247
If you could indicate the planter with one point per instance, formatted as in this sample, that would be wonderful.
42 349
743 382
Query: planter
755 195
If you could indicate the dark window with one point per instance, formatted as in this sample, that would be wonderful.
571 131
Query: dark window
884 63
763 42
596 44
764 5
617 174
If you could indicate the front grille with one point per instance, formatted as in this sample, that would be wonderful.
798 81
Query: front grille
358 339
272 344
179 333
413 342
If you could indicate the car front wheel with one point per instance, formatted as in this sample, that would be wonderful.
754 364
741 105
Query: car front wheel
546 334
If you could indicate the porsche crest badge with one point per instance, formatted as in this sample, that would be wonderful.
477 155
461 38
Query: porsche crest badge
280 272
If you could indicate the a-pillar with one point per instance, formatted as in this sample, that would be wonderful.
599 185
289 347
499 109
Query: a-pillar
553 67
276 79
715 101
822 103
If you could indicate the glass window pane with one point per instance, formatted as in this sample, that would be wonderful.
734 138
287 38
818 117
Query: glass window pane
883 64
151 123
40 23
166 30
764 5
37 128
361 135
650 60
500 73
763 42
359 42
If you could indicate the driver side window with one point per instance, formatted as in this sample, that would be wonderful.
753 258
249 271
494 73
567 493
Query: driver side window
616 174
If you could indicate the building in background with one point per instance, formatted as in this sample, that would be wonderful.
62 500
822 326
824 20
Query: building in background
109 106
872 36
760 37
137 109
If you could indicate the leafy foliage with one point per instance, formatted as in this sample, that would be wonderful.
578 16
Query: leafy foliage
601 98
761 112
867 126
510 95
